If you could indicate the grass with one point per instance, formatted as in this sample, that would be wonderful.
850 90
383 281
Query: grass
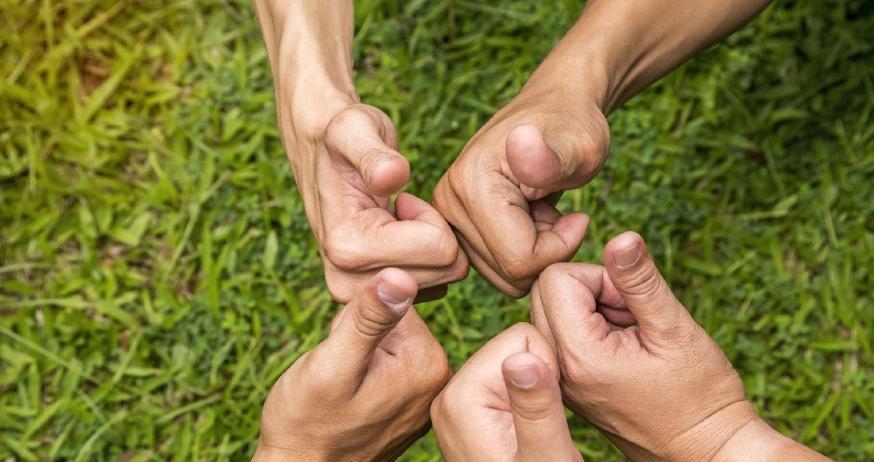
157 272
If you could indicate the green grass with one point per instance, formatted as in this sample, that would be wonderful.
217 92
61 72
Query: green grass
157 272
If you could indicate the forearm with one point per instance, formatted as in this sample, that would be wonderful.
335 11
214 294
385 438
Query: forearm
309 45
618 47
758 441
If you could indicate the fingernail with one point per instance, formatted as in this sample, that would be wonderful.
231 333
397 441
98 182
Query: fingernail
627 256
523 378
393 297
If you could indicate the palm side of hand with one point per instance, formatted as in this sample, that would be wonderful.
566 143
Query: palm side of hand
505 404
500 192
659 389
355 396
346 176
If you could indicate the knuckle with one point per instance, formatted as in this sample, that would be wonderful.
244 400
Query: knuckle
590 151
445 250
535 409
343 251
516 289
685 337
370 157
372 321
461 271
552 273
456 179
452 403
445 200
644 282
439 198
344 118
522 330
437 374
518 270
588 144
336 128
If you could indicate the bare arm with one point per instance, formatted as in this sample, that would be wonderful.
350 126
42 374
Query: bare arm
630 44
554 136
309 44
345 159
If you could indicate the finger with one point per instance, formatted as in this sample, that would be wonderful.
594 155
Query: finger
619 317
521 337
609 302
611 305
520 250
538 316
538 413
373 238
471 242
344 285
568 295
545 215
361 135
409 338
637 279
486 270
366 320
553 161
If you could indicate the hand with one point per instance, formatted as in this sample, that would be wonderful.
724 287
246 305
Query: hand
344 157
500 192
346 176
661 390
553 136
364 392
505 404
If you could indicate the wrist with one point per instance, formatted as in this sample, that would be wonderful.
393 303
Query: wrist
708 438
267 453
309 44
758 441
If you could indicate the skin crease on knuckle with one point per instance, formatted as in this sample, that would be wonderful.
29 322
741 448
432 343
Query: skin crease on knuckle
447 250
519 271
342 250
371 321
645 283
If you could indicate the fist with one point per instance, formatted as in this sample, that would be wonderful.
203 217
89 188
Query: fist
364 392
505 404
500 192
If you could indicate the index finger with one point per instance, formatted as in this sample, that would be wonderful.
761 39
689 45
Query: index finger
522 248
568 294
419 237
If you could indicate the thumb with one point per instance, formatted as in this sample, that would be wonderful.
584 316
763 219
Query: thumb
362 135
552 161
369 317
646 293
538 413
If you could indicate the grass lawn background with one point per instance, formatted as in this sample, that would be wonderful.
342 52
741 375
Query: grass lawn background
157 272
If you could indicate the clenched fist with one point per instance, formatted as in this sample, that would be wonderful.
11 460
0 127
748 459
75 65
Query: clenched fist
500 192
661 389
505 404
363 393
